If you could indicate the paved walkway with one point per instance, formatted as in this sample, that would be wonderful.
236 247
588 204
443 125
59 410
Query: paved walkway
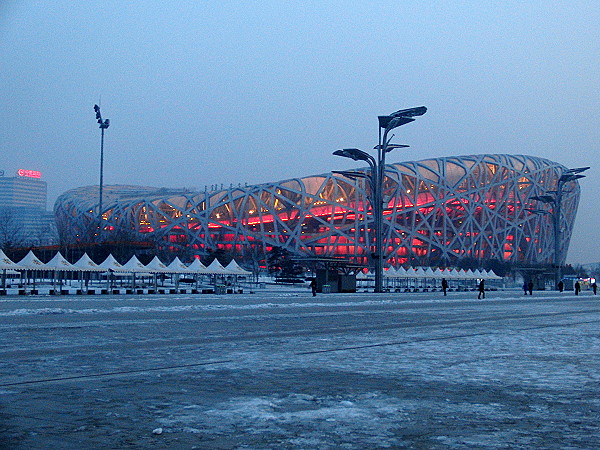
286 370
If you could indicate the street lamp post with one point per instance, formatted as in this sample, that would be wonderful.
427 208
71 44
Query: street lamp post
103 126
376 176
554 198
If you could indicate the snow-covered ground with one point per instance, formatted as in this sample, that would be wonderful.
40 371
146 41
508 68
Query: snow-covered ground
282 369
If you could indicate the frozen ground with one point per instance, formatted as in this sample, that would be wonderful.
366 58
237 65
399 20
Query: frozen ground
281 369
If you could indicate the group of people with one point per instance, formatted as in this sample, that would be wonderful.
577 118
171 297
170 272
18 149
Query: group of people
594 287
480 288
528 287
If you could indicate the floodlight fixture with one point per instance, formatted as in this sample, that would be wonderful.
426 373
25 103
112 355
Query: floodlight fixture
398 121
104 124
390 147
410 112
355 154
555 197
376 177
389 122
351 173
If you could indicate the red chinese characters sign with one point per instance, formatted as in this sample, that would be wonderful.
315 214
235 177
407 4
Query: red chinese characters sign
29 173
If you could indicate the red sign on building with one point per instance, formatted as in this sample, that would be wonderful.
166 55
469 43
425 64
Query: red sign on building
29 173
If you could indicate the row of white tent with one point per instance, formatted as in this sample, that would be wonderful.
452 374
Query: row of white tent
428 272
110 264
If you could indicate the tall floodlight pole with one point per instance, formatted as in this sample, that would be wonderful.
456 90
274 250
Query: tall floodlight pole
376 177
103 126
554 198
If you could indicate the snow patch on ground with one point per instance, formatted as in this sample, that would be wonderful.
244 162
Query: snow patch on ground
307 420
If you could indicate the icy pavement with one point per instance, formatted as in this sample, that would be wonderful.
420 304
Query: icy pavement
285 370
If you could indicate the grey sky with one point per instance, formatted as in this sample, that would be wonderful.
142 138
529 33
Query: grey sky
200 93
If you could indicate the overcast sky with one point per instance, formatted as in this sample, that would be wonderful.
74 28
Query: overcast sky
202 93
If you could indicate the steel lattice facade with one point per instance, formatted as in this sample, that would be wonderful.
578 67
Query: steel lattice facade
435 212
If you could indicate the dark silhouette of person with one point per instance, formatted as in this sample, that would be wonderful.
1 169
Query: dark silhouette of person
313 286
594 287
444 286
525 287
530 287
561 286
481 289
577 288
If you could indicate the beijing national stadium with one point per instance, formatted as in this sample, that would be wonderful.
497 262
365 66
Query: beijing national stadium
436 212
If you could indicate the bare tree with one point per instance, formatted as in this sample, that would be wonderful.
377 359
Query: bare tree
11 231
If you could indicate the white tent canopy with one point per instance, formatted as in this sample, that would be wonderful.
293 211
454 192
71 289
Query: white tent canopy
86 264
196 266
110 263
361 275
134 265
411 272
429 273
454 274
492 276
235 268
6 263
401 272
216 268
364 276
177 266
31 262
437 274
460 274
156 265
390 273
420 273
58 262
479 274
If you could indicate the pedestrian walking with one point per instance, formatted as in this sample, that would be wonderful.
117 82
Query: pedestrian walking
577 288
561 286
530 287
313 287
594 287
481 289
525 287
444 286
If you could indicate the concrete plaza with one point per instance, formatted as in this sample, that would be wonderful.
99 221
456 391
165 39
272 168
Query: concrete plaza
282 369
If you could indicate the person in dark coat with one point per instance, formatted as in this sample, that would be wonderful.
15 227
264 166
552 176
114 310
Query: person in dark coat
481 289
594 287
561 286
444 286
530 287
577 288
313 287
525 287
